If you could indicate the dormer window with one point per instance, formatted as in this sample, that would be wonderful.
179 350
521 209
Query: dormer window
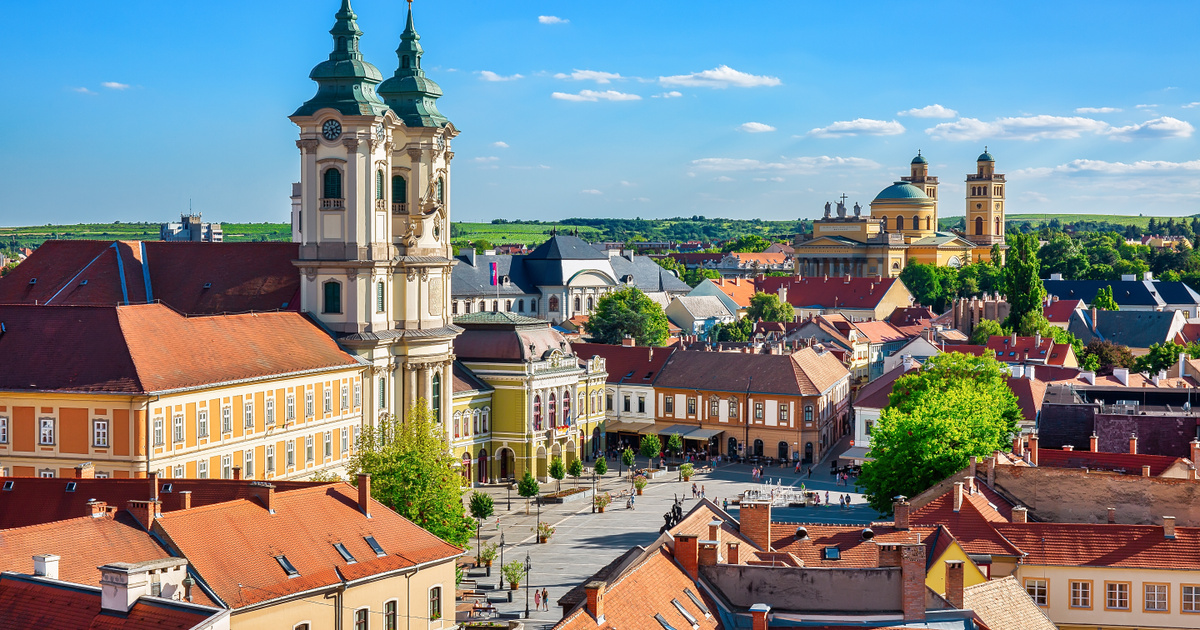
287 566
344 553
374 546
831 553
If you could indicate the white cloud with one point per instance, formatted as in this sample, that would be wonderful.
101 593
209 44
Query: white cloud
591 191
800 165
552 19
593 96
719 77
113 85
500 144
929 111
82 90
627 183
489 158
755 127
1096 110
1146 106
1192 104
1101 167
769 179
488 75
859 126
1018 128
1164 127
671 94
723 179
590 75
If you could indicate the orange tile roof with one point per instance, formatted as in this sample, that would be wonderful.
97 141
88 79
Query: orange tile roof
855 551
880 332
1060 311
1129 462
836 292
1105 545
304 526
739 290
775 258
1028 347
973 525
28 603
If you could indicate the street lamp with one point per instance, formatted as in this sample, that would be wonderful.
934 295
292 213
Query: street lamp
593 491
528 566
510 497
500 582
539 517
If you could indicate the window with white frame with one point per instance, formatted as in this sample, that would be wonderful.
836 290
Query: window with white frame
358 394
758 411
177 428
390 617
714 407
1037 587
487 413
1156 597
328 445
270 468
202 469
289 413
248 464
435 603
3 429
159 438
102 475
641 404
227 466
99 433
345 441
291 453
309 454
202 423
46 431
1081 594
1116 595
345 397
226 419
248 414
178 472
309 404
783 413
270 419
328 396
353 435
1191 598
46 473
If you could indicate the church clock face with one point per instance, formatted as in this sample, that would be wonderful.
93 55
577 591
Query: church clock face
331 129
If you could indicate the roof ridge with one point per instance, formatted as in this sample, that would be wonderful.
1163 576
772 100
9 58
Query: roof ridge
59 523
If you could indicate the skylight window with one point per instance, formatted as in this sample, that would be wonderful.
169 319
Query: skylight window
663 622
8 485
345 553
167 487
683 611
287 566
831 553
374 546
71 486
699 604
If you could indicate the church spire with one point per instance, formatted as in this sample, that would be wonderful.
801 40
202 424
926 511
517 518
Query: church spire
409 93
345 81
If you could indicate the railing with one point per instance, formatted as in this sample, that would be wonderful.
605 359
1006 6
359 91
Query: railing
381 204
995 178
333 204
399 208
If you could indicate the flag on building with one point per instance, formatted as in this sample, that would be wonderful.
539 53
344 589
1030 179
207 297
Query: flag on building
495 275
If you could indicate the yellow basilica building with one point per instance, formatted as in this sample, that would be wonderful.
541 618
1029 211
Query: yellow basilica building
902 227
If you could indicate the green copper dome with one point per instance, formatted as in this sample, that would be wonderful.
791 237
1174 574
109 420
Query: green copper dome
919 159
410 94
901 190
344 81
985 156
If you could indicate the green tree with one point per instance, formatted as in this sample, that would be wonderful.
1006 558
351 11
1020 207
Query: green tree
575 469
750 243
1022 280
627 459
601 466
412 473
628 312
675 444
1106 355
558 470
650 446
1162 356
528 488
984 330
956 406
738 330
692 277
931 285
1104 299
769 308
1063 255
481 507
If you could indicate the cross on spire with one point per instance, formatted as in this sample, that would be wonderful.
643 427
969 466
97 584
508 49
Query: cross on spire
843 199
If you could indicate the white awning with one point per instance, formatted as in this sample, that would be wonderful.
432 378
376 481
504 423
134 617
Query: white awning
857 453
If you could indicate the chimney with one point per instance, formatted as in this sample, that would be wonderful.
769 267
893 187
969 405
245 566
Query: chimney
85 471
1019 445
121 585
1133 444
709 550
1088 376
731 553
1020 514
185 499
912 572
970 487
900 511
264 492
954 583
627 341
1112 515
1093 314
991 473
46 565
364 494
1169 527
1037 340
1122 375
144 511
974 465
1033 449
1029 372
1068 447
958 496
714 530
237 472
1182 360
1094 443
1195 444
595 600
1146 470
687 553
755 523
758 616
152 477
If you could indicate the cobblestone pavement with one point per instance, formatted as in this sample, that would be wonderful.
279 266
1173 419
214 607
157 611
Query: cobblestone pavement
583 542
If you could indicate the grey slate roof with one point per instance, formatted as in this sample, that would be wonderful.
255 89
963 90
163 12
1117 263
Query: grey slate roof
469 279
1136 329
1125 292
647 274
562 247
707 287
703 306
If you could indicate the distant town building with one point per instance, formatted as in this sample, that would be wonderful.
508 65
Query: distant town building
190 228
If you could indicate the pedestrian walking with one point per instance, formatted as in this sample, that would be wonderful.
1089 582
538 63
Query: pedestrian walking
826 497
537 599
701 491
810 472
693 490
546 599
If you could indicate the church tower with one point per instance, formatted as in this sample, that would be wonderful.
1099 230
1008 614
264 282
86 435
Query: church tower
985 202
919 177
371 215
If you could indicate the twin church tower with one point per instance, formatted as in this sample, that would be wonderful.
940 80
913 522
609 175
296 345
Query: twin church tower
371 215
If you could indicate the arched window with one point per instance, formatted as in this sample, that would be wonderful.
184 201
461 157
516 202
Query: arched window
399 189
553 303
997 232
332 188
899 223
916 223
437 397
533 306
537 413
552 419
578 304
808 410
333 297
520 306
380 301
495 306
508 305
927 222
591 303
487 412
566 401
457 423
379 184
978 225
341 43
476 416
582 405
441 190
733 408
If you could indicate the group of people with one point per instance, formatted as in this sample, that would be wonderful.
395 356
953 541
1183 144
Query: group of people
697 493
844 500
541 599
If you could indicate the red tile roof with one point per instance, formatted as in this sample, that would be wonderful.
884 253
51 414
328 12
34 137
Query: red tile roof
150 348
1105 545
911 316
739 290
305 525
241 277
28 603
632 365
1028 347
1128 462
1030 394
1060 311
854 550
972 525
839 292
880 332
34 500
801 374
878 393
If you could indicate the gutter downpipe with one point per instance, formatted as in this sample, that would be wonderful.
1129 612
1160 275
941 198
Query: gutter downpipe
337 593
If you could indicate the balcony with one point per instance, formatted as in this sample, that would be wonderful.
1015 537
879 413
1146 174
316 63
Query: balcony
333 204
399 208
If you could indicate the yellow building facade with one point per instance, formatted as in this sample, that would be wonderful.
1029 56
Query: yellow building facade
902 227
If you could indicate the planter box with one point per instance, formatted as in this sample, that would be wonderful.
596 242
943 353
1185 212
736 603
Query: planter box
656 473
568 496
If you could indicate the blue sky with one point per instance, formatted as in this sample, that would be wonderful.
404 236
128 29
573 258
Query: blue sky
627 109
